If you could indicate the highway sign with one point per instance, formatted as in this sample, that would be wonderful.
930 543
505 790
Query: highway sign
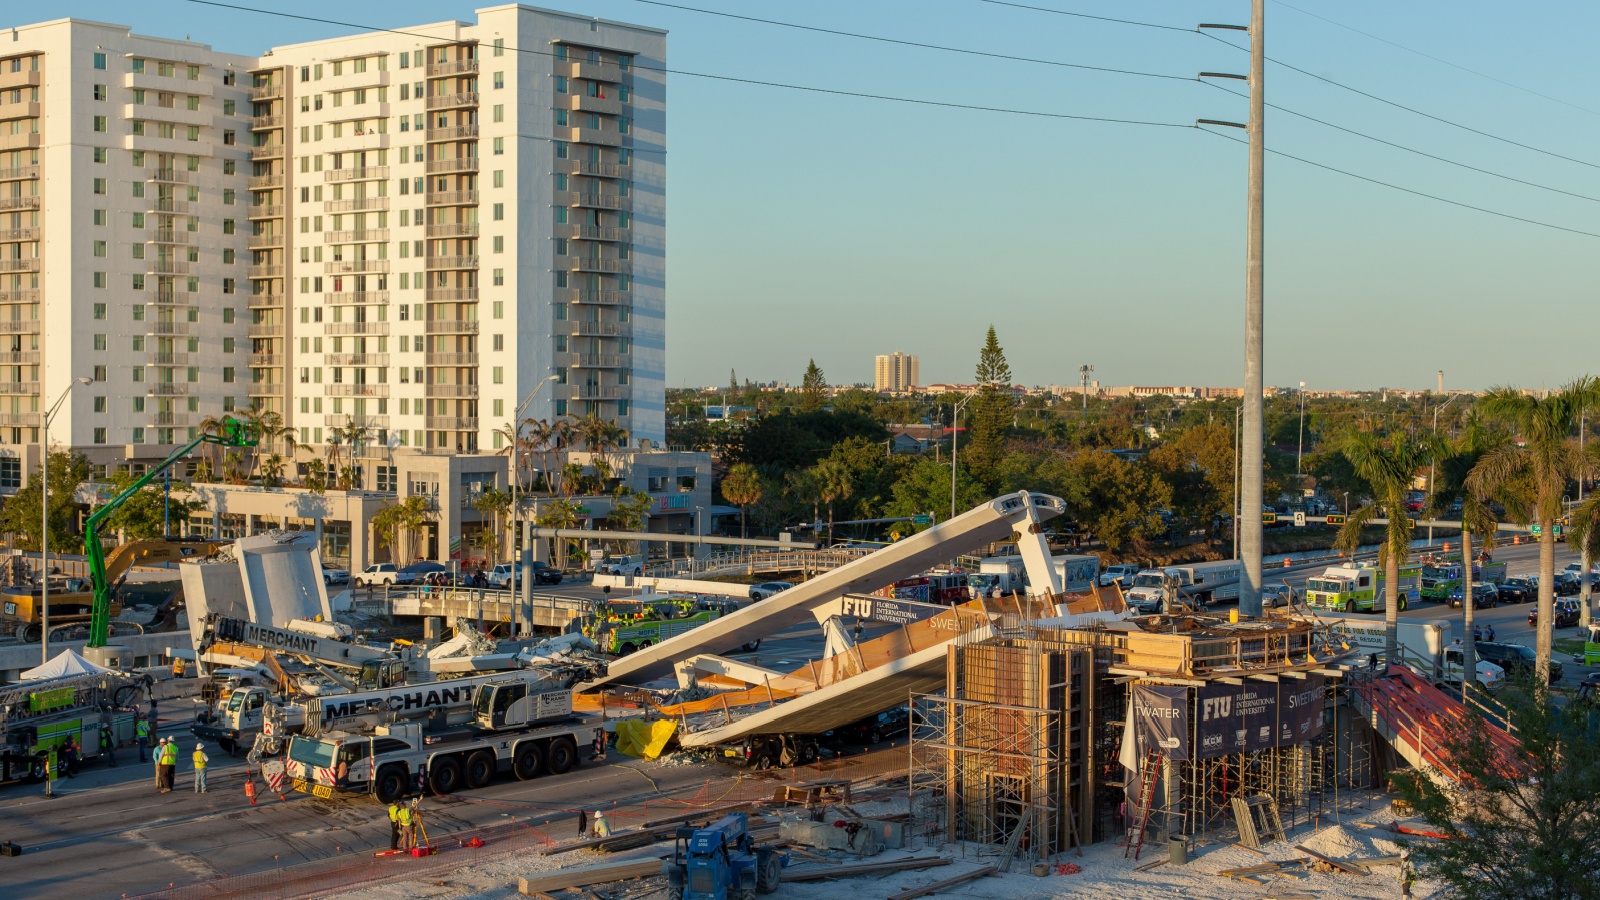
1336 519
922 520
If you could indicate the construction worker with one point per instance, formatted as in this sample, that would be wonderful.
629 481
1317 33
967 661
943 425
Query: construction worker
394 825
407 836
50 773
602 828
178 666
69 757
1408 873
141 731
108 744
200 760
156 753
169 765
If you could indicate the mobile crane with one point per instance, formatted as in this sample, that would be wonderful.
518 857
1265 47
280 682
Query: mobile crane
233 433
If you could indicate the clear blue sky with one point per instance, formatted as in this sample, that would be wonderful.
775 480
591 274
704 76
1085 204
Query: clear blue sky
803 225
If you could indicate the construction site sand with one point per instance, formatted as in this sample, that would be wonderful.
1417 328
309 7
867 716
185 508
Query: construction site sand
1105 873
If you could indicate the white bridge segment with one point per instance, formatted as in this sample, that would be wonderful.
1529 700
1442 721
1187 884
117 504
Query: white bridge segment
1021 513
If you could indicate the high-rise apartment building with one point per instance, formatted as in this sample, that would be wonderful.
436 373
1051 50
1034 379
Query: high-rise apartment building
895 372
406 230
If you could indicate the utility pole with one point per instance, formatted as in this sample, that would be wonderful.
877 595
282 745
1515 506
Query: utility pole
1083 374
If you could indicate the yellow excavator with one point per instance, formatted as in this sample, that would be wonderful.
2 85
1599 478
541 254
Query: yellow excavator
72 599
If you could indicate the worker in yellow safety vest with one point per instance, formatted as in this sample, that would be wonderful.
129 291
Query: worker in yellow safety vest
200 760
408 838
394 825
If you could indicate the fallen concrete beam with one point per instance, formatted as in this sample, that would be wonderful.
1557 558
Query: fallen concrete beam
601 874
938 886
818 873
711 664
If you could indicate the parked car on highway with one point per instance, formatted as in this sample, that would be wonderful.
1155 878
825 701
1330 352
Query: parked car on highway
384 573
1566 614
767 589
1568 584
621 565
1118 574
873 729
1275 595
423 567
1484 595
1518 590
1514 658
332 576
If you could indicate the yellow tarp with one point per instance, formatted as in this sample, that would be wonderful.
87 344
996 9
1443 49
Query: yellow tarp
644 740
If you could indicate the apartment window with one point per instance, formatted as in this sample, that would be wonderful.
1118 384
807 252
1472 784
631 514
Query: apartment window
227 316
194 73
499 112
499 244
99 373
229 106
100 217
561 215
227 373
624 61
100 124
227 226
499 80
99 279
138 437
100 248
227 256
98 311
499 375
101 92
138 282
138 313
192 132
100 433
138 343
499 342
193 164
499 279
100 403
561 149
623 124
99 341
100 61
625 93
138 66
229 137
192 102
138 189
561 117
227 196
499 177
227 345
138 251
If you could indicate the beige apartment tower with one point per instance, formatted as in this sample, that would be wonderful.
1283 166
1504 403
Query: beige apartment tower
896 373
403 231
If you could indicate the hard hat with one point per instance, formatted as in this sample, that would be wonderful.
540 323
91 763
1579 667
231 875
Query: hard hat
199 746
599 815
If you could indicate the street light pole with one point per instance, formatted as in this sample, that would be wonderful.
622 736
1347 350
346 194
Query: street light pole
1301 451
44 521
1431 469
516 476
955 437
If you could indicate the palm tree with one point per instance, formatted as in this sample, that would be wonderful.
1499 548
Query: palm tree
559 514
335 443
316 476
272 471
211 425
1455 463
834 482
1535 475
233 467
742 487
1585 535
494 503
1389 467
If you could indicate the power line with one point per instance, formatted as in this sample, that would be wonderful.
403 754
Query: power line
904 43
1437 59
1407 190
1360 134
1078 15
727 78
1413 111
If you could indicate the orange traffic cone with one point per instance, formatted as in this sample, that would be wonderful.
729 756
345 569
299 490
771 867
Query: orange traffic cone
250 787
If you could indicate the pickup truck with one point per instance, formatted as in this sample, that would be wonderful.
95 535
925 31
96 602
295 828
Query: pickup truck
621 565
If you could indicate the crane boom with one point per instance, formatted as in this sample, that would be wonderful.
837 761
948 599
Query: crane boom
233 434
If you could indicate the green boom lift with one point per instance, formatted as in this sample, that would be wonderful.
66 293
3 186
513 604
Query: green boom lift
234 433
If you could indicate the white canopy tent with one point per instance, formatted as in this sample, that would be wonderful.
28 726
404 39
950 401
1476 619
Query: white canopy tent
66 664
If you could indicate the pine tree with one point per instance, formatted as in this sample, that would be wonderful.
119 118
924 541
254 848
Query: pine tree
813 388
991 411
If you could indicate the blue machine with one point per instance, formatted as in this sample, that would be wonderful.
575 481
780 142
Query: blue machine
719 862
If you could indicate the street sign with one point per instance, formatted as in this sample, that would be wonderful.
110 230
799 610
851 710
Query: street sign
922 520
1336 519
1266 518
1299 519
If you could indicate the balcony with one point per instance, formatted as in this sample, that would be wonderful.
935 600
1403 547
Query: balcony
602 298
266 182
451 326
595 201
356 298
355 328
262 123
28 141
358 236
18 296
263 92
168 236
170 176
19 387
19 265
598 392
594 169
167 389
450 359
19 358
359 173
450 423
598 329
355 266
170 205
452 262
266 212
169 298
357 390
447 133
453 67
18 173
168 266
452 229
25 78
28 109
596 71
169 328
598 360
609 106
169 419
452 391
266 329
594 233
594 264
458 164
452 198
15 235
596 136
451 101
267 151
266 360
19 326
358 359
357 204
339 420
265 241
272 271
265 301
156 358
10 204
449 295
19 420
